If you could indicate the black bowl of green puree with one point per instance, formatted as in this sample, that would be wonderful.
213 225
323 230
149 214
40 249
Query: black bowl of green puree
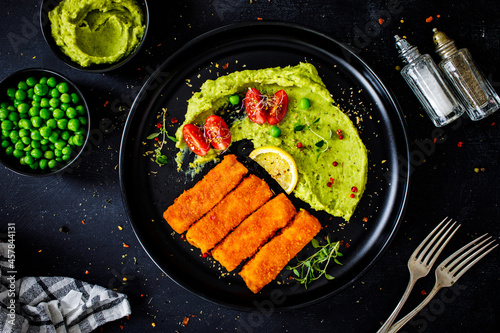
44 122
95 35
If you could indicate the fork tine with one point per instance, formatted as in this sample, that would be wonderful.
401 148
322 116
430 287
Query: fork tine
459 255
435 252
460 270
431 234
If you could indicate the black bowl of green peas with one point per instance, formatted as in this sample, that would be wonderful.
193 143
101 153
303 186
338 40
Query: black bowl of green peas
44 122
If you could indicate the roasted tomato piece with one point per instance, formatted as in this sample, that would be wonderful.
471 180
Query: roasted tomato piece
279 106
195 139
217 132
254 106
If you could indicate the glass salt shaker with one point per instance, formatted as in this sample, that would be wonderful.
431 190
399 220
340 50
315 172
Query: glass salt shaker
424 78
476 93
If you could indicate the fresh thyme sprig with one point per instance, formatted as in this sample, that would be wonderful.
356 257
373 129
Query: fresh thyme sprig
161 159
314 267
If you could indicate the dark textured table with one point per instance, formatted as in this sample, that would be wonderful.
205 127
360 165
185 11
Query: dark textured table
75 224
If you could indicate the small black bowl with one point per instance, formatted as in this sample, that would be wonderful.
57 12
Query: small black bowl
49 5
12 162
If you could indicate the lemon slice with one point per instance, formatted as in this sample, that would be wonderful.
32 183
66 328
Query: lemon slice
279 164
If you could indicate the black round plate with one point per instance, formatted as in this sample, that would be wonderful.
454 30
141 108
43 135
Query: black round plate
149 189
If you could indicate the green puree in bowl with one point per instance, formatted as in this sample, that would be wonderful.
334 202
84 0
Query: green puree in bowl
97 31
331 159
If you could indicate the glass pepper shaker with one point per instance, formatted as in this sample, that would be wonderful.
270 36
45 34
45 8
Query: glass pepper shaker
424 78
473 89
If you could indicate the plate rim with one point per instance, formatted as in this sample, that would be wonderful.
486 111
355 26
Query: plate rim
392 101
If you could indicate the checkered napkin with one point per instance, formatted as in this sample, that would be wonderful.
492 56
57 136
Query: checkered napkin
54 304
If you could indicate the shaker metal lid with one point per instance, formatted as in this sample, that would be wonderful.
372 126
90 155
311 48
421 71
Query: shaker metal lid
444 46
407 52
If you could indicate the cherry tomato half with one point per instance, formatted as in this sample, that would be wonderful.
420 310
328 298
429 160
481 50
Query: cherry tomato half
195 139
279 106
254 106
217 132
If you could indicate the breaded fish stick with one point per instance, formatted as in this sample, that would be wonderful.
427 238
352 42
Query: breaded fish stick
197 201
254 231
272 257
252 193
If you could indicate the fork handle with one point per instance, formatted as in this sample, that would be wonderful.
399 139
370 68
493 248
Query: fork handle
397 326
395 313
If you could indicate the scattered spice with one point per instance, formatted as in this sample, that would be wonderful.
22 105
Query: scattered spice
347 245
106 103
299 145
423 292
159 125
460 144
381 21
365 219
126 245
429 19
174 120
353 195
153 324
354 189
64 229
341 137
87 272
83 222
185 321
226 65
335 163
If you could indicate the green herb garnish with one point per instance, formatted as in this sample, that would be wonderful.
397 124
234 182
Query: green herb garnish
314 267
161 159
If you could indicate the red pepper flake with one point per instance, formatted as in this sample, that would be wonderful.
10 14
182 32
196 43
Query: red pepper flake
185 321
126 245
299 145
435 140
335 163
174 120
106 103
259 18
329 184
183 237
226 65
381 21
204 255
365 219
353 195
341 137
423 292
121 327
429 19
354 189
347 245
460 144
493 124
86 272
438 16
83 222
142 295
159 125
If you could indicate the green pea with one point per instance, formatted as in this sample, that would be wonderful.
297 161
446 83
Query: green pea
36 99
57 152
5 143
28 148
234 99
14 117
22 85
5 134
45 131
60 144
52 123
4 113
36 153
45 114
41 89
58 113
78 140
73 124
35 135
23 108
62 123
44 141
54 137
43 80
20 95
36 121
24 123
11 92
51 82
16 103
23 132
54 93
275 131
64 106
43 164
62 87
49 154
34 165
75 98
83 120
35 144
26 140
304 103
30 93
14 136
18 153
71 113
31 81
54 102
7 125
65 98
44 102
9 150
67 150
80 109
29 160
34 111
52 164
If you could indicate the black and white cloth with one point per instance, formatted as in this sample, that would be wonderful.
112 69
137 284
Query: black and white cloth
54 304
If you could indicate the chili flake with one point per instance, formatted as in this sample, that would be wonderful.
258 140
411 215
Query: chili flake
226 65
126 245
381 21
174 120
365 219
460 144
423 292
429 19
185 321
